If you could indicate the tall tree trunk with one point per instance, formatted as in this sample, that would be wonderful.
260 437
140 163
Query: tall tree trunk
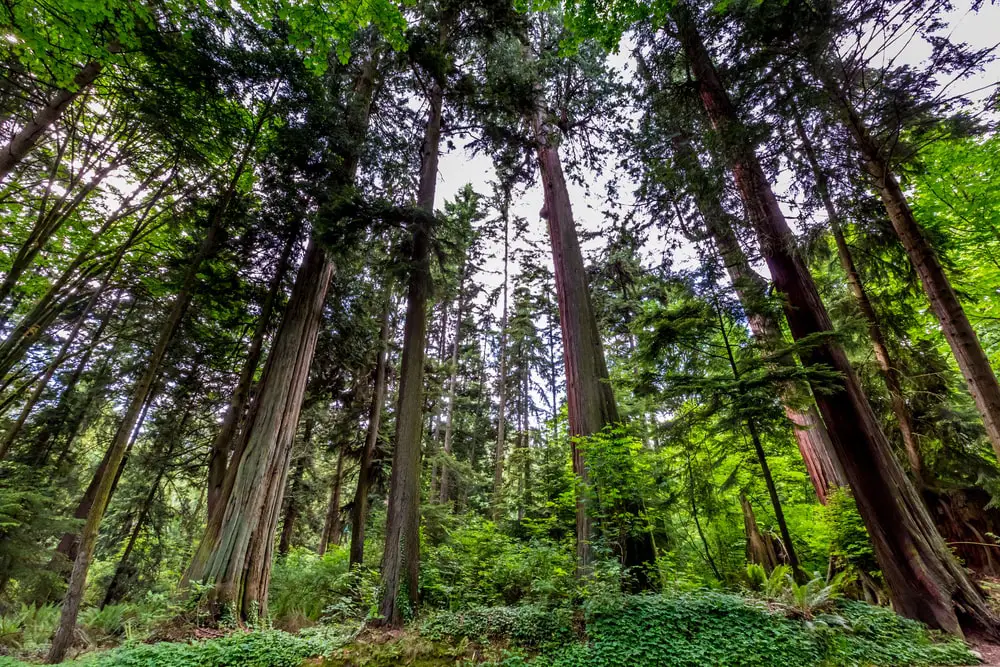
332 526
890 372
292 503
758 447
955 325
359 510
222 445
590 399
452 378
810 432
22 142
697 521
502 404
235 552
402 531
925 581
175 435
525 498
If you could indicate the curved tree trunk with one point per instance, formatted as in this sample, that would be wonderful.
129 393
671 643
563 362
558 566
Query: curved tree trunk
22 142
925 581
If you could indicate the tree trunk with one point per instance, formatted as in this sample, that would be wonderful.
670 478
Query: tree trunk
590 400
751 289
235 552
502 406
292 502
772 491
22 142
452 377
332 526
697 521
760 549
402 531
359 510
925 581
525 498
222 445
116 451
890 373
69 543
175 437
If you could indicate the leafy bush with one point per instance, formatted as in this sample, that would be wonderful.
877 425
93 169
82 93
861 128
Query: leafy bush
253 649
477 565
526 625
28 626
709 628
803 600
303 584
850 541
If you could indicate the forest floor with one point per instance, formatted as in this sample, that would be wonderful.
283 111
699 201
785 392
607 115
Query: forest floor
685 629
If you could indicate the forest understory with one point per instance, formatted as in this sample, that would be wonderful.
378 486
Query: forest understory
456 332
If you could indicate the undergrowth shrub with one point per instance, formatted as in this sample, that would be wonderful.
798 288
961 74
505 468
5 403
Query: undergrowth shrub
710 628
273 648
525 625
304 584
477 565
28 627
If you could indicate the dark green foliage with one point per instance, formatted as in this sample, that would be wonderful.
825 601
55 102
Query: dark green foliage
706 628
479 565
253 649
525 625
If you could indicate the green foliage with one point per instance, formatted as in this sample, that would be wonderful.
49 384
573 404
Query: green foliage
707 628
304 585
479 565
849 537
254 649
525 625
28 627
800 599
